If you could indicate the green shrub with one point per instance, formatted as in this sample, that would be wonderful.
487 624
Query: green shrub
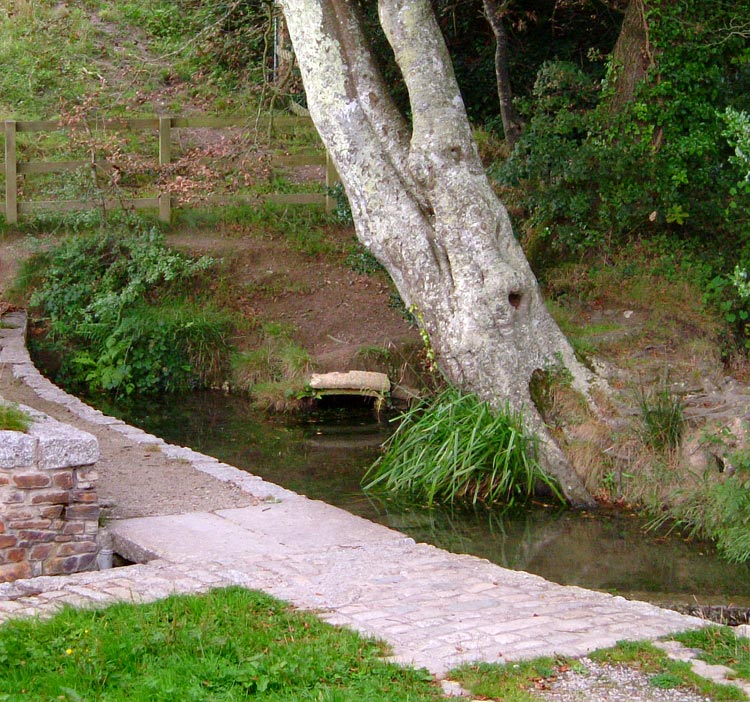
456 448
342 212
127 313
361 261
171 346
669 159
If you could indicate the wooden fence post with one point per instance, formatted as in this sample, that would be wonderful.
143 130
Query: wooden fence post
165 157
11 175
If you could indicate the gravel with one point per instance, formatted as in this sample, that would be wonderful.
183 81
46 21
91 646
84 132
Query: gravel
588 681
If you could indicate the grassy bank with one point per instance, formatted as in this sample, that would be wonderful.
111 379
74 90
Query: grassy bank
225 646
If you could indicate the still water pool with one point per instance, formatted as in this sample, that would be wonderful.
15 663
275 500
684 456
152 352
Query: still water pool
324 454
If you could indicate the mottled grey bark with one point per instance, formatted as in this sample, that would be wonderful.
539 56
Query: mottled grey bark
423 205
493 9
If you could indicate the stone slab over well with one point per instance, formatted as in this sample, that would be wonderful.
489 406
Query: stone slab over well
353 382
49 510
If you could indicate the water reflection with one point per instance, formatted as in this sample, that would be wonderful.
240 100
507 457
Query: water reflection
324 455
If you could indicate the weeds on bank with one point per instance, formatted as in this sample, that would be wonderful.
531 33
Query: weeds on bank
274 371
718 510
131 314
227 645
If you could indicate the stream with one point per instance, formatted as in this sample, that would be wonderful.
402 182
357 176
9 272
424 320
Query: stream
324 453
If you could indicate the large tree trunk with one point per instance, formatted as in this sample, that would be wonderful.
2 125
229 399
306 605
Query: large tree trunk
423 205
493 9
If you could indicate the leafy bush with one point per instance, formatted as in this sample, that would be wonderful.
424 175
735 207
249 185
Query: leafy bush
361 261
591 175
119 305
456 448
169 346
342 212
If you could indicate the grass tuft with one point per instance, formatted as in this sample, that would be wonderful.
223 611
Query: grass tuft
275 371
520 682
456 448
510 682
13 419
663 420
720 646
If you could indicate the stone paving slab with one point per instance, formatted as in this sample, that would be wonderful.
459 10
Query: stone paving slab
435 608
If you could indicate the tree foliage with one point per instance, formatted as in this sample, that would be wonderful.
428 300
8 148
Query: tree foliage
663 162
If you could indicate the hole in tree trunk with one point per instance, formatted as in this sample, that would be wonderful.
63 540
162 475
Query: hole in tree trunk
514 299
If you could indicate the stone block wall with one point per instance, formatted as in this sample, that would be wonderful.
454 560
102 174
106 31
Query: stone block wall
49 509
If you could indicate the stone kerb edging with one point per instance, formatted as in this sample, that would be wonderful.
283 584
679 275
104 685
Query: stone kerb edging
13 353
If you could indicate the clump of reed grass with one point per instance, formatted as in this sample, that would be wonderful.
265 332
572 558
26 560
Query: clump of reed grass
663 420
456 448
12 418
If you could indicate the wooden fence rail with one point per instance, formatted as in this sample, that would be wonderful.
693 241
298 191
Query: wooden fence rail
12 168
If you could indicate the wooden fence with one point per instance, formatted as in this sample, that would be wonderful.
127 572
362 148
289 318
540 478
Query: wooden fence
163 128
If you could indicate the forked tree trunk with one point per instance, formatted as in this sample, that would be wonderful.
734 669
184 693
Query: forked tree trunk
423 205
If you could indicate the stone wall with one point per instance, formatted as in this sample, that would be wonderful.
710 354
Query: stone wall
49 509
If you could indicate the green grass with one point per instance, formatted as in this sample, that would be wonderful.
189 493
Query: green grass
721 646
455 448
306 228
226 646
517 682
13 419
662 418
664 672
510 682
45 52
